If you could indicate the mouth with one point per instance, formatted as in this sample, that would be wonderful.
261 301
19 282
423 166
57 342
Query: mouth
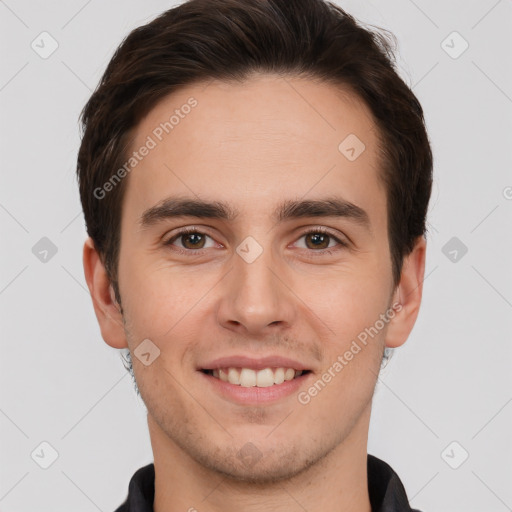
249 377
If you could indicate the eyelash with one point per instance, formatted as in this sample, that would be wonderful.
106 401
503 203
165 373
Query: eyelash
319 230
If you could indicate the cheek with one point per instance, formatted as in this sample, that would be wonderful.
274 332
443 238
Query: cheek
352 346
346 302
158 295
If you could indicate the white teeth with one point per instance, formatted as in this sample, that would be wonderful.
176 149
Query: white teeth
279 376
265 378
233 376
246 377
289 374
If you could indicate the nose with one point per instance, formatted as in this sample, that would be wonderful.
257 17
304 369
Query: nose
256 298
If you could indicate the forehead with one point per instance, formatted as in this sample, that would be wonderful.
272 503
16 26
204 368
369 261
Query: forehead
256 143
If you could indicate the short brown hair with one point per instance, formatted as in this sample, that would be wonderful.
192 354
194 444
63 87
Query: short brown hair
201 40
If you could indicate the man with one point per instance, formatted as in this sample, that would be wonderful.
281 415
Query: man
255 179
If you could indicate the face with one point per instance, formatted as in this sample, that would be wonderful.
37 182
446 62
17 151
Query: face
283 262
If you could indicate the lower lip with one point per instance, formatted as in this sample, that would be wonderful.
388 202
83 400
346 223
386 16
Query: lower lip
254 395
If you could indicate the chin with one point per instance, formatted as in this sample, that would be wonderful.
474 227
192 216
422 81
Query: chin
254 467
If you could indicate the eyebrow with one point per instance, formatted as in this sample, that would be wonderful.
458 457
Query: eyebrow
290 209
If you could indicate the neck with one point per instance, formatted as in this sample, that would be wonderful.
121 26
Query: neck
338 482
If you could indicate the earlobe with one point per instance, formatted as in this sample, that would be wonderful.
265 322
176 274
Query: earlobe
106 308
408 295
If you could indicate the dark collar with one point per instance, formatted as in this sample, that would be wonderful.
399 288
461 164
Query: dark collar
387 493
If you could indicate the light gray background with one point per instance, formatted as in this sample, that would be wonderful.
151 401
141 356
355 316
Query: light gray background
451 381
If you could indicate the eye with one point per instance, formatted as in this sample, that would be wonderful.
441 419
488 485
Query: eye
320 240
191 239
317 240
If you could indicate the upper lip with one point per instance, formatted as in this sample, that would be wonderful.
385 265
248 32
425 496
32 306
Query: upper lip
254 363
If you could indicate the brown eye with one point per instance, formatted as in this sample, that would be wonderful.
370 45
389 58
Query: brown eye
317 240
192 240
320 242
189 240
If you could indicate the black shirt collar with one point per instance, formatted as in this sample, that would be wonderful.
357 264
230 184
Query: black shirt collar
387 493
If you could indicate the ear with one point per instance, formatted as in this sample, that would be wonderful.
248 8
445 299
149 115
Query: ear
408 294
108 311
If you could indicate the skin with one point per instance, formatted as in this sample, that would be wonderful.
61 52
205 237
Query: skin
253 145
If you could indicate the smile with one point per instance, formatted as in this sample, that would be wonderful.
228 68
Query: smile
247 377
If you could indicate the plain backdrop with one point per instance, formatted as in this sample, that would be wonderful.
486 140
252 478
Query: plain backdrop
442 412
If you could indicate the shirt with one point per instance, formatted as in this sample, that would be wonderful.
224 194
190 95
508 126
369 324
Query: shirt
387 493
